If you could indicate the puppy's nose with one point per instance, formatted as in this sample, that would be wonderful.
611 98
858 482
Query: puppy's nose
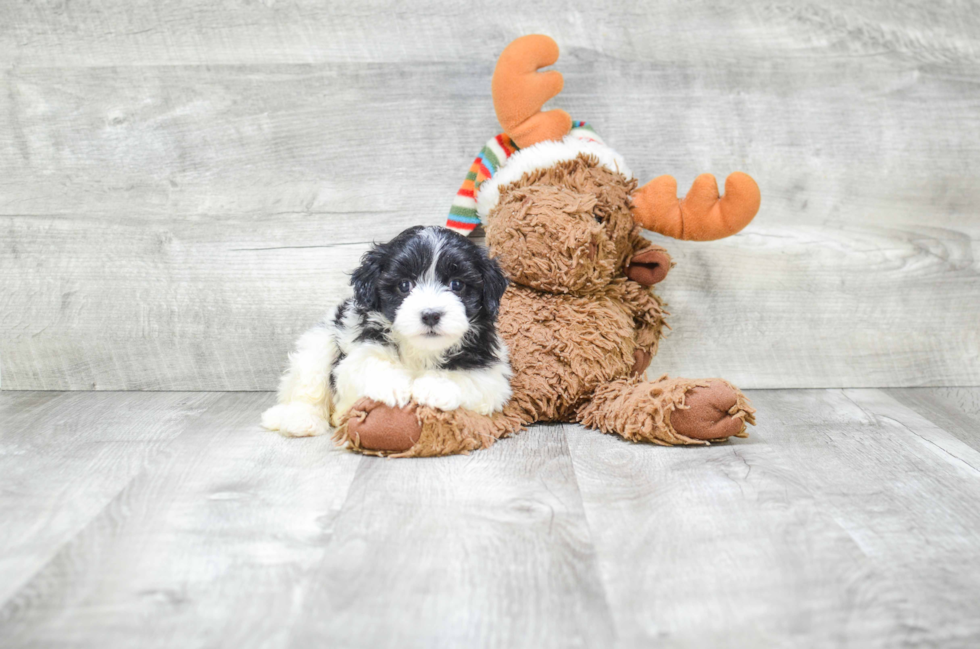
431 318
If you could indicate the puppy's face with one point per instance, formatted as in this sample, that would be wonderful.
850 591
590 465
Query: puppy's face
433 285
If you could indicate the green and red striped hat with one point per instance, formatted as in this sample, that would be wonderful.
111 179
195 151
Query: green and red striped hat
463 216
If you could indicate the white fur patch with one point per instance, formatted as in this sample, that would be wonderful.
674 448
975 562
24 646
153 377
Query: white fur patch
484 391
541 156
304 390
296 419
375 372
430 296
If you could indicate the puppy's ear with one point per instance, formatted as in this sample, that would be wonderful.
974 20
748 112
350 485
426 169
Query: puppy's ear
494 285
365 278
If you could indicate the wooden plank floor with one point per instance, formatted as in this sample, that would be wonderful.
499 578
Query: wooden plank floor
848 519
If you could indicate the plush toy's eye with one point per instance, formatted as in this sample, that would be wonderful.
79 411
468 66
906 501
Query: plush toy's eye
455 286
404 287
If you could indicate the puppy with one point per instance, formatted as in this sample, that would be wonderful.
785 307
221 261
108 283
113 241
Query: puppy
420 326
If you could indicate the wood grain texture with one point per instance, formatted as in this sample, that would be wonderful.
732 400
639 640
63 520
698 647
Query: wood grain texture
845 520
184 186
238 537
489 550
86 33
209 545
65 457
955 410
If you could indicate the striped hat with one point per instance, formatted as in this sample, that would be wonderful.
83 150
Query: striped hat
463 215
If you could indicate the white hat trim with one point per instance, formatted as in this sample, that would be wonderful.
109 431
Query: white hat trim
541 156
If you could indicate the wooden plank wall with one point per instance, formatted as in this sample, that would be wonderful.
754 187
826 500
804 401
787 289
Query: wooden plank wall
184 185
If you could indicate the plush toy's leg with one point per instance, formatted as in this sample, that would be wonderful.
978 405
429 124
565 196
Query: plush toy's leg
373 428
669 411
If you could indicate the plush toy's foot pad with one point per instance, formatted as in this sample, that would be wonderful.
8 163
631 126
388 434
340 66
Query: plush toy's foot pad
373 426
713 412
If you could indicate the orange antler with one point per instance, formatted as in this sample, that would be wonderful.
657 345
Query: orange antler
519 91
702 215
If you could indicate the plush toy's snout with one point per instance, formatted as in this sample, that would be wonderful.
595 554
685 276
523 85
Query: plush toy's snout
649 266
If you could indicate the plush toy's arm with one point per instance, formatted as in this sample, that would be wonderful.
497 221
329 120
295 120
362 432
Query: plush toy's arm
648 317
648 313
648 265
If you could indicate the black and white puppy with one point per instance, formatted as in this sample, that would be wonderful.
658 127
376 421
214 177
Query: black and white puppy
420 326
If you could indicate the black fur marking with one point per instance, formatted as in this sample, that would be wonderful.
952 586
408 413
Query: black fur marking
371 331
333 371
338 318
375 262
480 349
484 282
408 257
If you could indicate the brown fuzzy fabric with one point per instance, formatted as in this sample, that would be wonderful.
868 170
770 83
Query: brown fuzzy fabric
442 433
641 410
577 326
565 229
563 347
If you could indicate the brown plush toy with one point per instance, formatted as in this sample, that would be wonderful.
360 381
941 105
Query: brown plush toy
562 214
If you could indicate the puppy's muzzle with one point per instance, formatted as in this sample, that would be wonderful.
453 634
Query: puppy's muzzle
431 318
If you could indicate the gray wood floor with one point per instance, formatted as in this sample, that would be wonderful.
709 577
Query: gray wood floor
848 519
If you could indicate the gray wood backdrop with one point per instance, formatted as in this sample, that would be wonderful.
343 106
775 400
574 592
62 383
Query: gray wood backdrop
183 185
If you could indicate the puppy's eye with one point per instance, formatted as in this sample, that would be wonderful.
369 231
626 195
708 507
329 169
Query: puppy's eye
599 219
404 287
455 286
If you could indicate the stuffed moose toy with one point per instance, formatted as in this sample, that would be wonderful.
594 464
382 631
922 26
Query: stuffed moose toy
562 215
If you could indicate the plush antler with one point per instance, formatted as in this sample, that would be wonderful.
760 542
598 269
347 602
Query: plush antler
519 91
702 215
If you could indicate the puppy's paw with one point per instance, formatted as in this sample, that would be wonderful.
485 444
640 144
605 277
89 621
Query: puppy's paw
393 389
437 392
295 419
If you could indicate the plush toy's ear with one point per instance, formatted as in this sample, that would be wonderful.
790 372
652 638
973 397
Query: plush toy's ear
365 278
494 285
519 91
